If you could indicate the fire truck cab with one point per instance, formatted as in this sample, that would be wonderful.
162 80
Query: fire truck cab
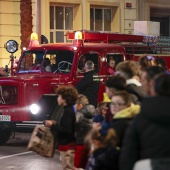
42 68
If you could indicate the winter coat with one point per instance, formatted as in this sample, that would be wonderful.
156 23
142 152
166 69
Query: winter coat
65 129
98 118
122 119
89 86
134 87
110 70
84 118
148 135
103 159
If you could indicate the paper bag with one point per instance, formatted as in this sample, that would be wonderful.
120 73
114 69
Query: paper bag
42 141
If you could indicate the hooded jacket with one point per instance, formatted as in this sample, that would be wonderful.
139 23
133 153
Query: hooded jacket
122 119
148 135
84 121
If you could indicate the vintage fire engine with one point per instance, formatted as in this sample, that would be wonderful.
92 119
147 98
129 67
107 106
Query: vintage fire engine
32 81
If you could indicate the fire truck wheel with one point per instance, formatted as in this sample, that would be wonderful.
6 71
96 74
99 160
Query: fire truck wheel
4 136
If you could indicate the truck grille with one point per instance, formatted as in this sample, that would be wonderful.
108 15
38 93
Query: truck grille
8 94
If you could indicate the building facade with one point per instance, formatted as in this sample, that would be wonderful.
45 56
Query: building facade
53 18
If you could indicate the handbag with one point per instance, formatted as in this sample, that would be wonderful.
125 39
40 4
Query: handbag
42 141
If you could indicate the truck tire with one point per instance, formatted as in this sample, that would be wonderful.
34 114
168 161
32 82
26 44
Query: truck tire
4 136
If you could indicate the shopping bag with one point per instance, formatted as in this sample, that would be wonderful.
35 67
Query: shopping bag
42 141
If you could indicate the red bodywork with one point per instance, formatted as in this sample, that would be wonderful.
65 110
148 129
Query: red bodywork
27 85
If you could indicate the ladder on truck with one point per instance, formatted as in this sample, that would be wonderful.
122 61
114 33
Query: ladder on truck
145 43
106 37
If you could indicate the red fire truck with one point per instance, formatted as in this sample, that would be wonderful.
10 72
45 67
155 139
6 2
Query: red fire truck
31 82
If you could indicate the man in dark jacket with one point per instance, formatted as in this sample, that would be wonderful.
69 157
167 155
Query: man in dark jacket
89 85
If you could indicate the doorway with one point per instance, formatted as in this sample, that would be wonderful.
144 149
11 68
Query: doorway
161 15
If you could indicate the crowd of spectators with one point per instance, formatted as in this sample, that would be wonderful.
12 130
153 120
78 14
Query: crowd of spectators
132 125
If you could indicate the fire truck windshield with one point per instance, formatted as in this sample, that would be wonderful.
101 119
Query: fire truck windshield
56 61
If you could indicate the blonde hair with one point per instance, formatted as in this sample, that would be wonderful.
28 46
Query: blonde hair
82 99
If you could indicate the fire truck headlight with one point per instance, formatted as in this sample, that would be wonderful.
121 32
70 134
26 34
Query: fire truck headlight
11 46
75 48
34 108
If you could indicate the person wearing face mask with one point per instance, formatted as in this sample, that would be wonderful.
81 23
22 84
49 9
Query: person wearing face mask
123 111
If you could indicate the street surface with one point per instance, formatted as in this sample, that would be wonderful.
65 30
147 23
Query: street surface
15 156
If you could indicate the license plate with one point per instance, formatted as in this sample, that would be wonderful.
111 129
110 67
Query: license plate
5 118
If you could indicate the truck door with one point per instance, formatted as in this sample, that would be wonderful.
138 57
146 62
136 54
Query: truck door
95 58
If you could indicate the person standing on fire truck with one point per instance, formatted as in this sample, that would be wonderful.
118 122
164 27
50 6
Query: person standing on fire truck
89 85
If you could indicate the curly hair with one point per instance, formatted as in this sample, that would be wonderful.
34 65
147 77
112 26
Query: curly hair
68 93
